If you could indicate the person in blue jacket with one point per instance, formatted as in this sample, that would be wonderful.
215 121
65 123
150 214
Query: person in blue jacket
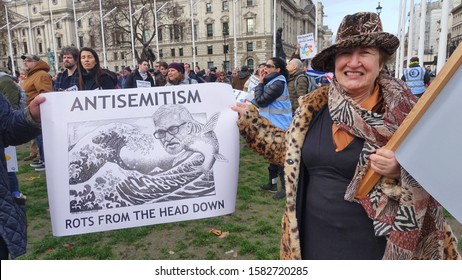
16 127
272 99
416 77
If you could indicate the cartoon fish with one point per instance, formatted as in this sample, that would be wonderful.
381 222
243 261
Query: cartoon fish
202 139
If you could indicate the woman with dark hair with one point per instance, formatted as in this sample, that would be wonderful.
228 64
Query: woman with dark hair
272 98
91 75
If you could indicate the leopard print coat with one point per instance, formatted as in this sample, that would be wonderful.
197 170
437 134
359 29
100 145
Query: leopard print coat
284 148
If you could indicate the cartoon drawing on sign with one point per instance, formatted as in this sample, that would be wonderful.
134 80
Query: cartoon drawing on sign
127 162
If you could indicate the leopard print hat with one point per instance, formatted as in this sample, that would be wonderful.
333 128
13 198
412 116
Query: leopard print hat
360 29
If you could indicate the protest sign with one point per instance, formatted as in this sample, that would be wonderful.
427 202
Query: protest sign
133 157
253 82
307 46
11 159
242 96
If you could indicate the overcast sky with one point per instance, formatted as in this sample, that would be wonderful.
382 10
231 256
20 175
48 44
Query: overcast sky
337 9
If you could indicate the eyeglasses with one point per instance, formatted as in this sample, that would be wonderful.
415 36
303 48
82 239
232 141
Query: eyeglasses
173 130
269 66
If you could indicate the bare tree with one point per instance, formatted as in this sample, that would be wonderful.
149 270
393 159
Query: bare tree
117 24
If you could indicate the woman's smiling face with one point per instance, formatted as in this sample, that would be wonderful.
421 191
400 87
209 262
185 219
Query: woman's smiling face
356 69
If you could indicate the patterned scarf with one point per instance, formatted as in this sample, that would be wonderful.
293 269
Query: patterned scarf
376 129
403 211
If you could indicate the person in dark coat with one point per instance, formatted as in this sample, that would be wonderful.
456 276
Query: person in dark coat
140 77
241 78
16 127
91 75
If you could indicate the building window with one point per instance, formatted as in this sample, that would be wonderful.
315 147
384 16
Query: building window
116 56
209 30
176 32
210 65
40 47
116 69
225 28
172 52
225 6
15 50
25 47
38 31
208 7
249 2
59 42
161 53
159 34
209 49
180 51
90 21
250 25
176 12
249 46
79 23
92 41
195 31
23 31
81 41
58 25
195 50
250 63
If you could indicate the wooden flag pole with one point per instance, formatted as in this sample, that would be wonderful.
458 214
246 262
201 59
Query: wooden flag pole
371 178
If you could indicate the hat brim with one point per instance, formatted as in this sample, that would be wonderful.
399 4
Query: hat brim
324 61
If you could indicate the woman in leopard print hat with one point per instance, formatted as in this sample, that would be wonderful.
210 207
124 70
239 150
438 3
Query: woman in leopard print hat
336 135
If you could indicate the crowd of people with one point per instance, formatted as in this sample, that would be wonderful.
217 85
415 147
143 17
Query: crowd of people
318 144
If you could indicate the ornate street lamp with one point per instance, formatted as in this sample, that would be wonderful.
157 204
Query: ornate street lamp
379 9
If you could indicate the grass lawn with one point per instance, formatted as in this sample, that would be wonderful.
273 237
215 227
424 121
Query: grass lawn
254 228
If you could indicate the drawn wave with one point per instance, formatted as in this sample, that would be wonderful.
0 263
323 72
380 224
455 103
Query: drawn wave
104 145
100 179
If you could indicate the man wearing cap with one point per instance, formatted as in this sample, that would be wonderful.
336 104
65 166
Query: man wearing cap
240 79
416 77
69 78
176 76
140 77
38 81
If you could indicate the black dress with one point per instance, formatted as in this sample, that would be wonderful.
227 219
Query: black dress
331 227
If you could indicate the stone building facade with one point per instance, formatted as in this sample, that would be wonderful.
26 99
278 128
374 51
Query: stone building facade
214 25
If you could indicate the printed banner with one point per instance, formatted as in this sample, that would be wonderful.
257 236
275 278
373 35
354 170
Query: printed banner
307 46
242 96
133 157
11 159
253 82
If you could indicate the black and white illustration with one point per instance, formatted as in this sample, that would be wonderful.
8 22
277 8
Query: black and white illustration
135 157
124 162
